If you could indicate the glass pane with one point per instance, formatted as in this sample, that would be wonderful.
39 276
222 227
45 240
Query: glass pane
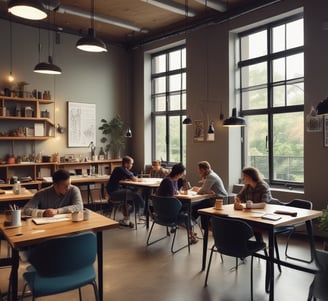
295 94
174 101
295 66
174 134
174 82
160 104
254 75
184 102
279 96
256 99
159 64
278 69
288 153
175 60
184 81
160 138
159 85
295 36
254 45
278 38
183 58
256 148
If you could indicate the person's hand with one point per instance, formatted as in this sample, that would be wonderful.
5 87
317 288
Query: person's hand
195 188
50 212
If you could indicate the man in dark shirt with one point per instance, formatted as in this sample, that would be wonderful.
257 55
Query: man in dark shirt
127 195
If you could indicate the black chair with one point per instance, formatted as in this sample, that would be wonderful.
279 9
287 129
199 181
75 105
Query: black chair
167 213
298 203
319 288
62 264
232 238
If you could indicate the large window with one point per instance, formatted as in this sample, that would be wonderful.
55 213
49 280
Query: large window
168 99
271 89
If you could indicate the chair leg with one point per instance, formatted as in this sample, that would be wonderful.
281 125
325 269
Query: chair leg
80 294
150 231
95 289
252 278
277 252
209 265
173 240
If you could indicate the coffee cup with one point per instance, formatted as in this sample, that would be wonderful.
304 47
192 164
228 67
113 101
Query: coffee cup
249 204
37 213
77 216
13 217
218 204
86 214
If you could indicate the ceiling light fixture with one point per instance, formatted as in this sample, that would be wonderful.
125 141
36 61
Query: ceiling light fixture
32 9
172 7
128 133
91 43
234 120
217 5
187 121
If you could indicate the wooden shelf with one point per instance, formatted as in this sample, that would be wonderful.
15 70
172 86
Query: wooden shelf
27 138
24 99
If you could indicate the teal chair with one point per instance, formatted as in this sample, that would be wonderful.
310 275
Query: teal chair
62 264
167 213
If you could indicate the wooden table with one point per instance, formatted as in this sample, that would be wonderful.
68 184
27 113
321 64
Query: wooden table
251 216
10 196
30 234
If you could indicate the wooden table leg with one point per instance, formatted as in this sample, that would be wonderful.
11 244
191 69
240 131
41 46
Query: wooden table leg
100 265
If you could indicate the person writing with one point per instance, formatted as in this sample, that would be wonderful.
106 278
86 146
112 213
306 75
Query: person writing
211 184
60 197
169 188
256 190
127 195
157 171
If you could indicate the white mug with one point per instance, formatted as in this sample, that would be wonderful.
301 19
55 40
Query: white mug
77 216
249 204
13 217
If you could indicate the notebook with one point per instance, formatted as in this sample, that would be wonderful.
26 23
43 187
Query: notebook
48 220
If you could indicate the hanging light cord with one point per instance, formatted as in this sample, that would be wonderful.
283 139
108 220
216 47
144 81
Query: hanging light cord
92 14
11 45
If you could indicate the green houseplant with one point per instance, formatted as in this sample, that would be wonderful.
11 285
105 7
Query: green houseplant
113 138
323 226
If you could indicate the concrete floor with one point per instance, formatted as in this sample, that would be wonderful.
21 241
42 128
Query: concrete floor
133 271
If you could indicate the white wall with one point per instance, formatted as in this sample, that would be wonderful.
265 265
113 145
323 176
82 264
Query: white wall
102 79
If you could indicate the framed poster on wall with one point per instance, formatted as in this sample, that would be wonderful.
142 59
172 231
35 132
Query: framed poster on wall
81 124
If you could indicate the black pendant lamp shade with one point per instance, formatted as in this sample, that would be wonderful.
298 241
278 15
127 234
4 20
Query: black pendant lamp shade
128 133
234 120
187 121
91 43
322 107
47 68
211 128
27 9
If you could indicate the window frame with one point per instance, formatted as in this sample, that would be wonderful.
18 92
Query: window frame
167 113
270 111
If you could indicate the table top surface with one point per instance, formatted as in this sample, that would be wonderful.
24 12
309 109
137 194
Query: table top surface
30 234
143 182
9 195
255 215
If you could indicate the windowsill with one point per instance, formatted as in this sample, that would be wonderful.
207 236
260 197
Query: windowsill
236 188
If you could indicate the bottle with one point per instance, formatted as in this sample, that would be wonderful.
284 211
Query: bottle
17 187
101 155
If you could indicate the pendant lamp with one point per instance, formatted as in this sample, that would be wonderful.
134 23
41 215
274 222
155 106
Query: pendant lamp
32 9
187 121
47 67
128 133
91 43
234 120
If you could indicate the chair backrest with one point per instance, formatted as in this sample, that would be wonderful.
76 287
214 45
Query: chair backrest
65 254
231 236
166 209
299 203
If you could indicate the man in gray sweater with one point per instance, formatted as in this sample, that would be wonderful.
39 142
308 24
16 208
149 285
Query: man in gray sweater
61 197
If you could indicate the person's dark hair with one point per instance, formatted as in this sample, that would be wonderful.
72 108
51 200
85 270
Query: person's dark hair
177 169
253 173
204 165
60 175
126 159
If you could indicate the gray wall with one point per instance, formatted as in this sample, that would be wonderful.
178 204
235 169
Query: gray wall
224 153
102 79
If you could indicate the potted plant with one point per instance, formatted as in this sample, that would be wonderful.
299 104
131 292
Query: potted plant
113 138
323 226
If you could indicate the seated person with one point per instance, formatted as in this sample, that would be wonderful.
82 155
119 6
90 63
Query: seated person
157 171
127 195
60 197
211 183
169 188
255 189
